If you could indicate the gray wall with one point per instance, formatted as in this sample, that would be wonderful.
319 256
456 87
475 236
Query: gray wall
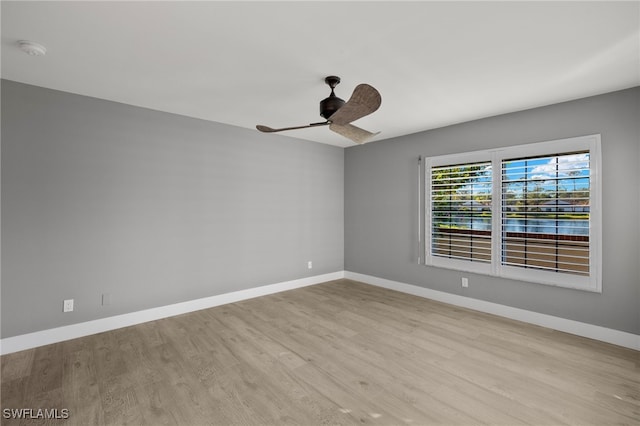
153 208
381 207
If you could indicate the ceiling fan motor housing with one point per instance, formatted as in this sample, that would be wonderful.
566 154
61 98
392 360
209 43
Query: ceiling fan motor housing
330 105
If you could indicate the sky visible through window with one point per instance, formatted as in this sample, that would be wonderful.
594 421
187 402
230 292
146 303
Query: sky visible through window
569 171
572 171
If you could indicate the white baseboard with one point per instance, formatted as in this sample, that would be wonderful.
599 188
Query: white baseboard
59 334
608 335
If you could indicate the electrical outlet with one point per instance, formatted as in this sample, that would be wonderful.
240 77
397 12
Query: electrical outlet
465 282
106 299
309 264
67 306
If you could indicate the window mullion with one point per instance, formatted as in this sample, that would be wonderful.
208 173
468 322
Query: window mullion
496 213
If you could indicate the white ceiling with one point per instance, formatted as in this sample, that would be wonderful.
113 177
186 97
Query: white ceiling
248 63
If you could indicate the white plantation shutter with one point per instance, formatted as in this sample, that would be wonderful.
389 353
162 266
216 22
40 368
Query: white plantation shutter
461 211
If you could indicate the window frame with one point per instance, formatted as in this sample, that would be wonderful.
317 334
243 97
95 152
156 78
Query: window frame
591 143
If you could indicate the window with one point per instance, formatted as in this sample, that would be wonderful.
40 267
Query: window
528 212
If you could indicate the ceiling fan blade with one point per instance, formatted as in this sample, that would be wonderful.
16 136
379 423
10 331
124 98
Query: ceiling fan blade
352 132
267 129
364 100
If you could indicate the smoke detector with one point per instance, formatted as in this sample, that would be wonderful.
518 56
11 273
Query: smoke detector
32 48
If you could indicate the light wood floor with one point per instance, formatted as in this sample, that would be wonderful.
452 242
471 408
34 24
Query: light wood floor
341 352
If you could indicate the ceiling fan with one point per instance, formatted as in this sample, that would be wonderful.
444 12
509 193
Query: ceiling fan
339 114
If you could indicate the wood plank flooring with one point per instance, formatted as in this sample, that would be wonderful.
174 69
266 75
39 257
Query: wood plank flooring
341 352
